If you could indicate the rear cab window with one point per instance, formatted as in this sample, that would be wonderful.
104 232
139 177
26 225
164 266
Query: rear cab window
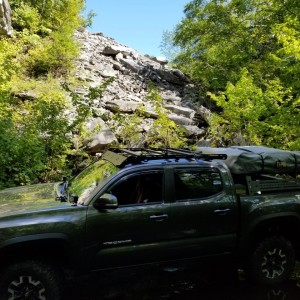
195 183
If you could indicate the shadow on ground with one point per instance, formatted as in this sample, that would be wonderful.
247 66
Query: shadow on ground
179 283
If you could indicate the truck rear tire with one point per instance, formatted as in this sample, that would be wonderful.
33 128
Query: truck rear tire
30 279
272 261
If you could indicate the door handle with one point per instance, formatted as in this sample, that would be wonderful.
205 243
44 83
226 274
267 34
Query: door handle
158 218
223 211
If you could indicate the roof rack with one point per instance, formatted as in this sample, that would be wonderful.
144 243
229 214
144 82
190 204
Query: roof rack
121 156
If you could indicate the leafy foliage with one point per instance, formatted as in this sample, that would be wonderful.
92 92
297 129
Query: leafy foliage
35 136
245 53
35 132
46 28
262 114
9 63
126 128
164 132
49 15
20 146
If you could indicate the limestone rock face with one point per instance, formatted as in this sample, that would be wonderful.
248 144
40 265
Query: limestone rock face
5 20
102 57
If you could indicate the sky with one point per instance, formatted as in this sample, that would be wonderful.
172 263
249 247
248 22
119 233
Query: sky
138 24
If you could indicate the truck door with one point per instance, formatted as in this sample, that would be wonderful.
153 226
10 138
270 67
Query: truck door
204 213
134 232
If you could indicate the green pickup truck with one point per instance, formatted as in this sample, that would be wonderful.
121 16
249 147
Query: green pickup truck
143 206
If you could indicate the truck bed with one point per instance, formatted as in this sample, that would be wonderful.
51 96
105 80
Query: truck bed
261 184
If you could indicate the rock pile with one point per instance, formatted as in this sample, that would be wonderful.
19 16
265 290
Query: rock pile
102 57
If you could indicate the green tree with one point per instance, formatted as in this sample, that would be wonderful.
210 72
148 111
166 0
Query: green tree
127 128
35 134
21 147
46 28
220 39
47 15
10 63
260 116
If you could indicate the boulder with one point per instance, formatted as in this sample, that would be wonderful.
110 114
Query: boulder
194 131
158 59
173 76
179 120
121 106
113 50
131 65
100 136
182 111
101 140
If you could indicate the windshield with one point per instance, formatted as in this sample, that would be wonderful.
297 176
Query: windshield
94 175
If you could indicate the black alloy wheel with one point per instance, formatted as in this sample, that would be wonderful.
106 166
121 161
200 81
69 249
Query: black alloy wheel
30 280
272 261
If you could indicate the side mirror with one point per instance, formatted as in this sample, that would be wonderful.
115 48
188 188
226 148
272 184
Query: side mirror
106 201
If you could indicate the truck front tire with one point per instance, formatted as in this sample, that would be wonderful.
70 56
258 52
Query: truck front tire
30 279
272 261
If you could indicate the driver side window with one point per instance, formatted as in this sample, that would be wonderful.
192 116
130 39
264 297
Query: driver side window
141 188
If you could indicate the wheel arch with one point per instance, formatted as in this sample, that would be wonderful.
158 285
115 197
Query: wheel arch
287 226
47 247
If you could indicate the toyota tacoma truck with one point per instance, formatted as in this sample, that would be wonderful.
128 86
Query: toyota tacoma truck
150 206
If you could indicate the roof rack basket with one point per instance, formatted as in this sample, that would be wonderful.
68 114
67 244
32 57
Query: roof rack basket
122 156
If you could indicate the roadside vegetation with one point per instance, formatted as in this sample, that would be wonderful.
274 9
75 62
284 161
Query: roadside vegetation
34 126
244 55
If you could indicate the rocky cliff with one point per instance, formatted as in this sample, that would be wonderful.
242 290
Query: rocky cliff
5 20
102 57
